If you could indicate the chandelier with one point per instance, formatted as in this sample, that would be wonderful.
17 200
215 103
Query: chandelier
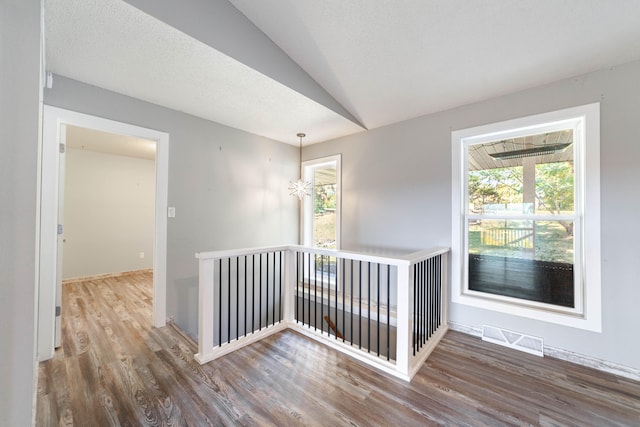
300 188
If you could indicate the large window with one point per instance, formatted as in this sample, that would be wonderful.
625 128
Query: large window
526 225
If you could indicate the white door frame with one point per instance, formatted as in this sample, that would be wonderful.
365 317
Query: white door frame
53 119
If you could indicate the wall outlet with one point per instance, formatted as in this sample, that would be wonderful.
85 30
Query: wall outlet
141 255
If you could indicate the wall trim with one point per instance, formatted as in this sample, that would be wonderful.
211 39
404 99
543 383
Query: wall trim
466 329
193 342
106 276
566 355
593 362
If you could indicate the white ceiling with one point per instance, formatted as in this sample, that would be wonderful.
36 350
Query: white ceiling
387 61
111 44
383 60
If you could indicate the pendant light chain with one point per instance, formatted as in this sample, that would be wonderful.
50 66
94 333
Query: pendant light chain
300 135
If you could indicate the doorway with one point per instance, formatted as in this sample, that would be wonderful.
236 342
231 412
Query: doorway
108 204
55 123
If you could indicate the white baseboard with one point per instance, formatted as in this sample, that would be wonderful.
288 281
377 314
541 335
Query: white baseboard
592 362
107 276
569 356
466 329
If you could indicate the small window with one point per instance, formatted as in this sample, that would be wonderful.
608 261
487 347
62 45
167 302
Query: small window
321 211
321 214
526 227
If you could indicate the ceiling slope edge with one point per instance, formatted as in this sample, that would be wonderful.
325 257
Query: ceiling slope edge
218 24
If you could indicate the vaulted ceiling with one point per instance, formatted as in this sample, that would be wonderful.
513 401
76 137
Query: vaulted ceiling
331 68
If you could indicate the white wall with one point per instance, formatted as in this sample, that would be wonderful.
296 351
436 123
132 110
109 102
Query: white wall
108 213
229 187
396 192
19 126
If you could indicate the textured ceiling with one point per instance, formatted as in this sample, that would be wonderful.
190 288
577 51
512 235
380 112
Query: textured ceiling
111 44
382 60
388 61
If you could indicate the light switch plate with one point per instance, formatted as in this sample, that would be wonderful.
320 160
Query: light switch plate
171 212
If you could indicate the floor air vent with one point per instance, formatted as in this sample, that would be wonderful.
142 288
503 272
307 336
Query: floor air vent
515 340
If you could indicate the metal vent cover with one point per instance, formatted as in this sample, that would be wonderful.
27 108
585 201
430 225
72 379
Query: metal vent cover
516 340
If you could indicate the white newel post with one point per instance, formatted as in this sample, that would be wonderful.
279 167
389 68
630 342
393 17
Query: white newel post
444 288
289 286
205 309
404 313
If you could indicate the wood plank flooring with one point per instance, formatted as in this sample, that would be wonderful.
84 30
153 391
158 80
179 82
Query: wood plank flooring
114 369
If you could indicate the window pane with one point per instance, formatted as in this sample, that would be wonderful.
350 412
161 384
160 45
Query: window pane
527 175
326 268
531 260
324 207
554 188
497 191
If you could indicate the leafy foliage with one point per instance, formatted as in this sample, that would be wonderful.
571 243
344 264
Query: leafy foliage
554 193
554 189
495 186
324 197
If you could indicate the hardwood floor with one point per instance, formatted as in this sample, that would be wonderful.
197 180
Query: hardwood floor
114 369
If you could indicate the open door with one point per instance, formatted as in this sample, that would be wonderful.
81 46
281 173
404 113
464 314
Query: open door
51 228
62 147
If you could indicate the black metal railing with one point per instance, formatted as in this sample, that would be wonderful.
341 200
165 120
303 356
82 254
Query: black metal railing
248 294
388 311
348 299
427 301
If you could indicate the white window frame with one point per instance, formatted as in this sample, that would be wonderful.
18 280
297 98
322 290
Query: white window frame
308 167
585 120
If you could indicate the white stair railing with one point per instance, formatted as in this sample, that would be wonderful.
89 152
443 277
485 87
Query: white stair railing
387 311
241 298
